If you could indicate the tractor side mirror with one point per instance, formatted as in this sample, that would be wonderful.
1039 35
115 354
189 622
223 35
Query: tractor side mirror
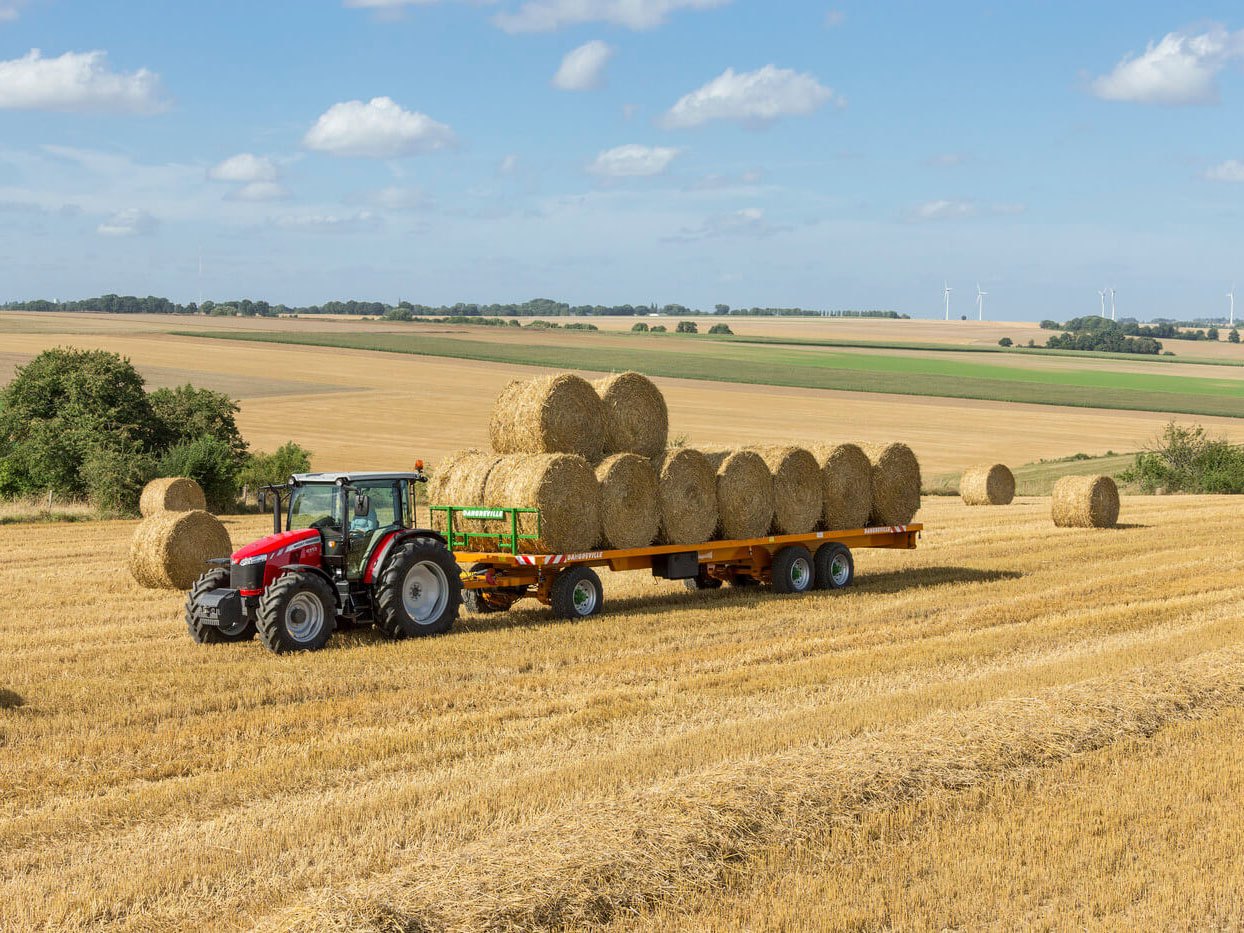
362 506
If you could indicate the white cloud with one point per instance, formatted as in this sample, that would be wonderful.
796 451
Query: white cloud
1231 170
10 10
359 221
244 167
508 165
130 222
633 161
395 198
79 82
1181 69
583 69
948 159
547 15
947 209
259 191
377 129
835 18
753 97
748 222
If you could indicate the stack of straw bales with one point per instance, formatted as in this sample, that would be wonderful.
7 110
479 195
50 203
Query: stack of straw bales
987 484
1085 502
595 459
177 537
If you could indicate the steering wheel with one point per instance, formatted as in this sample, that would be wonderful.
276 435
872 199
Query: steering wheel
324 524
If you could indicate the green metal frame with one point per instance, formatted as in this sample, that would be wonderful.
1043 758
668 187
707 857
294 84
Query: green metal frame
460 540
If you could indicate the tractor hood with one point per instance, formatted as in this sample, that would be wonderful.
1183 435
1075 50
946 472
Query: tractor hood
276 544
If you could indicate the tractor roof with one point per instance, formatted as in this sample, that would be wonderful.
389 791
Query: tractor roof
360 477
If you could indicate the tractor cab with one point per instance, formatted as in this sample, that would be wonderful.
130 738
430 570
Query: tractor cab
344 548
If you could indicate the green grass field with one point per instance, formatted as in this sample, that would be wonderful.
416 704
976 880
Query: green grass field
1038 479
723 361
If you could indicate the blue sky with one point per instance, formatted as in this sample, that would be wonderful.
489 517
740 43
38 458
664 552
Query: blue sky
828 155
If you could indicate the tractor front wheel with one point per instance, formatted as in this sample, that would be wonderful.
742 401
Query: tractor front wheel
419 592
298 612
201 631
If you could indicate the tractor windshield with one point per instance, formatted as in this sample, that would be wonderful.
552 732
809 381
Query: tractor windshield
316 506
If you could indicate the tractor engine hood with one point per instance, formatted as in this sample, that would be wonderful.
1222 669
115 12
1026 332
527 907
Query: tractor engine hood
273 545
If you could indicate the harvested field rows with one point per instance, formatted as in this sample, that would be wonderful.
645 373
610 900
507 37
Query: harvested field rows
152 783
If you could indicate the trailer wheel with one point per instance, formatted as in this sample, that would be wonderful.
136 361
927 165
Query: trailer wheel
298 612
702 581
200 631
792 569
577 593
835 567
419 592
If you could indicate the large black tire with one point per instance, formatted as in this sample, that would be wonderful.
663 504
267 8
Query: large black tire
200 631
420 590
298 612
835 567
577 593
792 569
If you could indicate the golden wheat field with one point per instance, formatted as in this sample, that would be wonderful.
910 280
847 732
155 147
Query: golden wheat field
1012 726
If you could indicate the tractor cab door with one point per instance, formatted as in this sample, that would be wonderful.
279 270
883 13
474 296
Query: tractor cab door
385 513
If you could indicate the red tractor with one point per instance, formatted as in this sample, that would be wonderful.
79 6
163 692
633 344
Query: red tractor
349 553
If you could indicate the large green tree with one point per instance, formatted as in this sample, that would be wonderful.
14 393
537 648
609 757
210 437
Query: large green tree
187 413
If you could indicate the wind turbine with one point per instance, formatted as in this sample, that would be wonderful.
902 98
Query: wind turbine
1112 317
1231 298
980 302
946 296
1102 293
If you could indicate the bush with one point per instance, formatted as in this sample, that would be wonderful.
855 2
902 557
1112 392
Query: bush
1006 342
1233 336
658 328
186 414
640 328
115 478
211 463
686 327
721 329
1185 459
275 468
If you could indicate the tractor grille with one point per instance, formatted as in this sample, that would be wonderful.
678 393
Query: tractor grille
247 576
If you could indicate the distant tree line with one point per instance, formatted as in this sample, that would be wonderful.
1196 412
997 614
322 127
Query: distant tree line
1160 330
80 424
537 307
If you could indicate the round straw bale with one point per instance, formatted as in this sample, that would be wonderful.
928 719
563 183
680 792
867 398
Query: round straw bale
987 484
630 510
847 477
171 494
170 550
1085 502
553 414
798 499
688 496
459 479
896 484
562 486
636 418
744 493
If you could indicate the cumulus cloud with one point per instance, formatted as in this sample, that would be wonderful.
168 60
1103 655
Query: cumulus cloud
583 69
259 191
748 222
1231 170
548 15
244 167
377 129
130 222
633 161
77 82
752 97
1179 70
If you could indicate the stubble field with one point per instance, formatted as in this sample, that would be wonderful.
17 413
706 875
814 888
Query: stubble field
1014 725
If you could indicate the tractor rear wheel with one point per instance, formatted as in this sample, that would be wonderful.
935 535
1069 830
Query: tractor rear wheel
298 612
419 591
201 631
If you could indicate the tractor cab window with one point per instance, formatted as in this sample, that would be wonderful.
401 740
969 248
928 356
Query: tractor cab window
366 531
315 506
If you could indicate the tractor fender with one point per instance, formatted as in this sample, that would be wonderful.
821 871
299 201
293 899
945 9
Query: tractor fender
375 566
310 568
